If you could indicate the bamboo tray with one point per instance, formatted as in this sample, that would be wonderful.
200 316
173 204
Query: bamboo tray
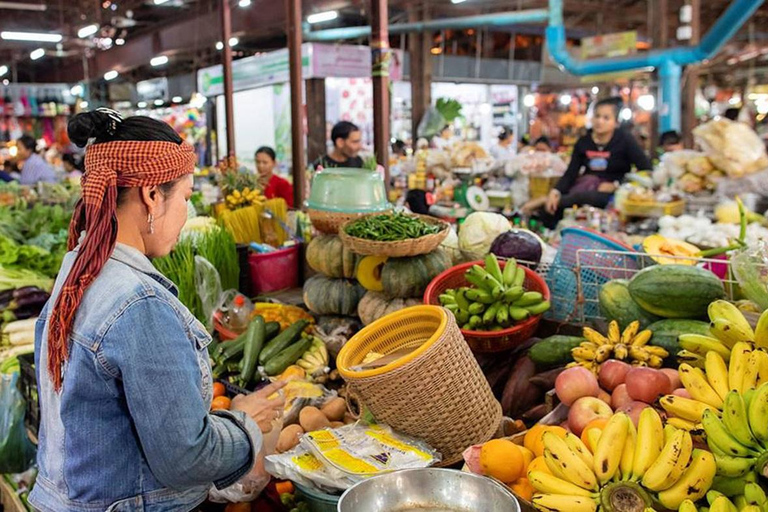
399 248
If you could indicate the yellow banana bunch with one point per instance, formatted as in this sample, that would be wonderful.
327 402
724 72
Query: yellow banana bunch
630 345
315 360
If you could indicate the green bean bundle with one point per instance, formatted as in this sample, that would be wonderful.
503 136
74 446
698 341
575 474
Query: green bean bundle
391 228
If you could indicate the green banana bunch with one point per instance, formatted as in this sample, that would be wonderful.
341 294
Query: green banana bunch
315 360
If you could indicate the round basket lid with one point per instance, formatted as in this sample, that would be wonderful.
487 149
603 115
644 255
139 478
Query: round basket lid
477 199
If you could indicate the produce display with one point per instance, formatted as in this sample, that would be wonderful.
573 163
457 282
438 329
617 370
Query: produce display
497 298
391 228
630 345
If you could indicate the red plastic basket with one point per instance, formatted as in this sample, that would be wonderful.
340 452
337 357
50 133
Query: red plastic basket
483 341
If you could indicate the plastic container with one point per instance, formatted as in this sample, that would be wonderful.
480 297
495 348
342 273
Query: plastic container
274 271
318 501
348 191
240 315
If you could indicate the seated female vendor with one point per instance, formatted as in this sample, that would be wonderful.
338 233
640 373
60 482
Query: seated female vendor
606 154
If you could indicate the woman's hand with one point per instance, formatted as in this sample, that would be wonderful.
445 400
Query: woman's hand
553 201
259 407
607 186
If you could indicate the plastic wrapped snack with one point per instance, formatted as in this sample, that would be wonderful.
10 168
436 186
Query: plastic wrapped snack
732 147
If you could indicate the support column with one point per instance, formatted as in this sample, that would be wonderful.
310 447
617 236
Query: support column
669 111
381 54
226 55
293 9
421 72
659 29
691 80
316 136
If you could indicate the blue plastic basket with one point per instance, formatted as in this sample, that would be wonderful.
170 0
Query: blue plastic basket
593 268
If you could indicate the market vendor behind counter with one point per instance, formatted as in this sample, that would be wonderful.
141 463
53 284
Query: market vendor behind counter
607 153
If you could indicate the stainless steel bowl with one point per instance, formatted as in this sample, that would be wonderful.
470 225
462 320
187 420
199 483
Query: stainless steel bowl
429 489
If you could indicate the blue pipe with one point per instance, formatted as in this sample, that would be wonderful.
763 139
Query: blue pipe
499 19
668 61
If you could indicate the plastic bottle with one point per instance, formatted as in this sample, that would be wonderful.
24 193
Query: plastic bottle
240 313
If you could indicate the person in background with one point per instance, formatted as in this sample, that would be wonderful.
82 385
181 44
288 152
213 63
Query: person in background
72 165
543 144
7 172
503 149
600 160
274 185
670 141
347 141
444 139
34 169
399 148
524 144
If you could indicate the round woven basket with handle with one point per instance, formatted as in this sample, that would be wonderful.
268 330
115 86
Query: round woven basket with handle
437 392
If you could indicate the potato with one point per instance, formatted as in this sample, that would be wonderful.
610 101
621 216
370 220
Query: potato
348 418
335 409
311 419
289 438
336 424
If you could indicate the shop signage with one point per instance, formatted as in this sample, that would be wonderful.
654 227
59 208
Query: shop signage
609 45
154 89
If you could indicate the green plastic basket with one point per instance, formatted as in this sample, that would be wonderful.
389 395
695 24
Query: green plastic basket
317 500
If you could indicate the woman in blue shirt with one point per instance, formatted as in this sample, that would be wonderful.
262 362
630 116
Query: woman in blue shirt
34 169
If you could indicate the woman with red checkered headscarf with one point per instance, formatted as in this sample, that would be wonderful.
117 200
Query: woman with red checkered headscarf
122 366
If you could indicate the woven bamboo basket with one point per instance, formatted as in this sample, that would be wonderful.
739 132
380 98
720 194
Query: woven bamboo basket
436 393
539 186
400 248
330 222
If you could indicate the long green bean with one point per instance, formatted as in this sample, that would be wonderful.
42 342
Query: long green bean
390 228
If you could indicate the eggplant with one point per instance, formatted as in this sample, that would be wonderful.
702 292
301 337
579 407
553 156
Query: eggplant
18 293
32 299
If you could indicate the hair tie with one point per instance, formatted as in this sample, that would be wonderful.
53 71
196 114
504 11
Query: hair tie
114 118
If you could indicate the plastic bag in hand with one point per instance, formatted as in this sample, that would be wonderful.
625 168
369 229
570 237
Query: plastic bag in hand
17 453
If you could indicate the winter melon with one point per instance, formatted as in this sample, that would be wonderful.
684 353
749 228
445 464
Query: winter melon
676 291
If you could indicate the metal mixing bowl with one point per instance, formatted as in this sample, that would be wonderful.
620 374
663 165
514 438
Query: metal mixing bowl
413 490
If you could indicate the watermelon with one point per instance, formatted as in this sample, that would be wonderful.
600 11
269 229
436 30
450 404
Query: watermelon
676 291
617 304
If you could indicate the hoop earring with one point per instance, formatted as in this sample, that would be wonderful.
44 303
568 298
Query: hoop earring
151 221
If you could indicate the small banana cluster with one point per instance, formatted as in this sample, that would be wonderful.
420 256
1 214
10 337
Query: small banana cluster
742 370
739 440
630 345
315 360
754 499
653 459
245 197
728 327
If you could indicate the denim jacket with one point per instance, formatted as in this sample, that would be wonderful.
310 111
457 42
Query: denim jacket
130 429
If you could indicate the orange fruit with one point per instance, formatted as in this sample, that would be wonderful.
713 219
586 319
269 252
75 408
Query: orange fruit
522 488
598 423
221 402
528 457
538 464
533 438
219 389
502 460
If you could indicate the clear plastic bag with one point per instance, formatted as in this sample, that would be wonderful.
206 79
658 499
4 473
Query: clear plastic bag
732 147
208 286
431 124
17 453
750 266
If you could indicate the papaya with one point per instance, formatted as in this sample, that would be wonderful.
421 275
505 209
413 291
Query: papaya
666 332
660 248
676 291
554 351
616 303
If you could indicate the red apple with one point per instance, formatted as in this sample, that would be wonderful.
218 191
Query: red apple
604 396
575 383
586 409
673 376
646 384
683 393
620 397
633 410
613 373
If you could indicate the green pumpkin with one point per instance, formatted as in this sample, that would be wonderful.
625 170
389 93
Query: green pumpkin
409 277
326 296
328 256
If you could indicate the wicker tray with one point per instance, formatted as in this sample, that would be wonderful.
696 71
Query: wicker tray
330 222
400 248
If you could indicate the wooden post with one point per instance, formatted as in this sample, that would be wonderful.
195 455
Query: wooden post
293 9
659 29
421 72
226 55
381 55
691 80
316 136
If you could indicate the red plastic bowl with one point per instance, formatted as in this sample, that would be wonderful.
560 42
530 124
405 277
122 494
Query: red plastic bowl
485 341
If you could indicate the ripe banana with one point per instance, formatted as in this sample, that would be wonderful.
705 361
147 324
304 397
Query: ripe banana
696 383
755 495
553 466
573 468
721 309
738 365
762 367
620 351
614 334
639 354
761 331
563 503
609 448
751 373
736 420
717 373
687 506
642 338
684 408
657 351
729 333
585 354
722 504
595 337
700 345
718 436
577 446
655 361
688 357
603 353
758 414
629 333
550 484
733 467
649 444
751 508
677 450
628 453
680 423
694 482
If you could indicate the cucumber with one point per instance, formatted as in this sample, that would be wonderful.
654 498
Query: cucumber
282 340
271 330
235 347
286 357
554 351
254 341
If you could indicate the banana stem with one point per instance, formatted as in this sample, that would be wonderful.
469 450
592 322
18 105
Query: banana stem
738 243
